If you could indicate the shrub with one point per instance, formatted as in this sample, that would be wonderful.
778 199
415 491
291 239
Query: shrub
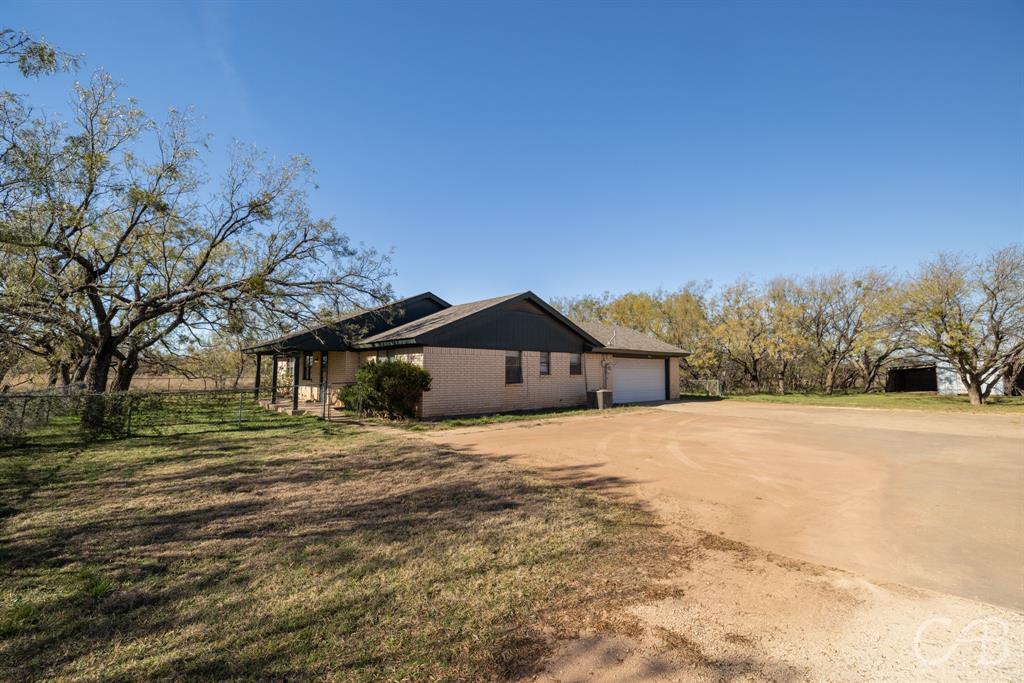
387 388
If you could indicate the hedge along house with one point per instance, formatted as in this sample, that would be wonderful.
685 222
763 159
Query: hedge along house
509 353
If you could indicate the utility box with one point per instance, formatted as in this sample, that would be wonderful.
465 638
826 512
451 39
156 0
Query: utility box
599 398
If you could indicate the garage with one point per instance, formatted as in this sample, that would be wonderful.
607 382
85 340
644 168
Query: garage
638 379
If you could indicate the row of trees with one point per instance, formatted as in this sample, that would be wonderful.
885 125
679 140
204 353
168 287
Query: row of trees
116 241
839 331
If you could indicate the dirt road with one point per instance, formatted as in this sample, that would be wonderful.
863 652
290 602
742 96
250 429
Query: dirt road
907 530
933 500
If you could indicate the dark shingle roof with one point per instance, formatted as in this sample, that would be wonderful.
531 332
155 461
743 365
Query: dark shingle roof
618 338
343 331
435 321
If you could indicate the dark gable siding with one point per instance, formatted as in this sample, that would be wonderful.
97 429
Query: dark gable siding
514 326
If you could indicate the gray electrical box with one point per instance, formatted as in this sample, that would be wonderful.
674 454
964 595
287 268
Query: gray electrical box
599 398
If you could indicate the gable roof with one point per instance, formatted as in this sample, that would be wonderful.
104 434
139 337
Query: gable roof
343 332
626 340
410 332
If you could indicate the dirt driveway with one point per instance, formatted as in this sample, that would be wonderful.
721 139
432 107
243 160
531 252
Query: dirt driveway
930 500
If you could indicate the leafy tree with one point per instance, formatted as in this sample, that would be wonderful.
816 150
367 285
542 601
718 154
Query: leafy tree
120 240
786 343
884 334
742 331
586 308
33 56
640 311
837 316
970 314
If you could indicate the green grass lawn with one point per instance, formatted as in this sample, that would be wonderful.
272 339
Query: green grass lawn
295 550
909 401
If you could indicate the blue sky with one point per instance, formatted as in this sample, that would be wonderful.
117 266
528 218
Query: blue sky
576 147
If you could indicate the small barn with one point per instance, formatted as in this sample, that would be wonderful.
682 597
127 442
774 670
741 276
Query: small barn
912 378
935 377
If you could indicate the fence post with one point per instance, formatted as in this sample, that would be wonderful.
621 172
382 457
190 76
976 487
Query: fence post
24 407
241 396
323 400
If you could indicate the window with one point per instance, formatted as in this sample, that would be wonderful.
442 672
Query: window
575 364
307 365
545 362
513 367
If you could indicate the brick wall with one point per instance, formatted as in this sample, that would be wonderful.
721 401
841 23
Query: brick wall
673 378
471 381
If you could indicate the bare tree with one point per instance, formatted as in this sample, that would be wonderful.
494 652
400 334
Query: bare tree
970 314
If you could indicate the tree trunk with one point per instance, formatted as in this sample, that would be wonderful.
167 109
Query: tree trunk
1010 372
780 378
830 380
126 369
870 377
97 375
974 391
755 375
96 378
80 371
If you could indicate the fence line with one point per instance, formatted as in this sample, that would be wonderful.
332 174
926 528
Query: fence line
708 387
25 415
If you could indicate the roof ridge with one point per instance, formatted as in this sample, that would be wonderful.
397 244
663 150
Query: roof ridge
344 317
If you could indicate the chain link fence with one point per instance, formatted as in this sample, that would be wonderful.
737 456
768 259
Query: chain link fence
31 415
699 387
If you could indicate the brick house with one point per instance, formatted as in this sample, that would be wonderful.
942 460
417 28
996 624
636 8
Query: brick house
504 354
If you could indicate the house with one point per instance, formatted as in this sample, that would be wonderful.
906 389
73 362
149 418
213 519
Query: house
508 353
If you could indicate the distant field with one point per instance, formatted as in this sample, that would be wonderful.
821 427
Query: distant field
139 383
906 401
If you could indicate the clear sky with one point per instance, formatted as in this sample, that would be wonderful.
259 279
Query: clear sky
571 147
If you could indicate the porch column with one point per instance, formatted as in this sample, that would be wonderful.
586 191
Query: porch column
273 379
296 362
323 355
256 388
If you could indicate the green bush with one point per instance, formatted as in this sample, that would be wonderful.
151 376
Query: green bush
389 389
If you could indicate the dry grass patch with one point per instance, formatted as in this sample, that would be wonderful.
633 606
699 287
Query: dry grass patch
301 551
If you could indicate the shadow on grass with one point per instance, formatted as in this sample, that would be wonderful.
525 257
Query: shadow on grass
308 550
297 554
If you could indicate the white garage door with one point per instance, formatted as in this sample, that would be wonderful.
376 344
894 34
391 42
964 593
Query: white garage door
638 379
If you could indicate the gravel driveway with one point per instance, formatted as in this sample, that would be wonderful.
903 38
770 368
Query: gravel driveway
824 544
927 499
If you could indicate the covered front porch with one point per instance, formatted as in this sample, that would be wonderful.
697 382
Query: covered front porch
301 381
